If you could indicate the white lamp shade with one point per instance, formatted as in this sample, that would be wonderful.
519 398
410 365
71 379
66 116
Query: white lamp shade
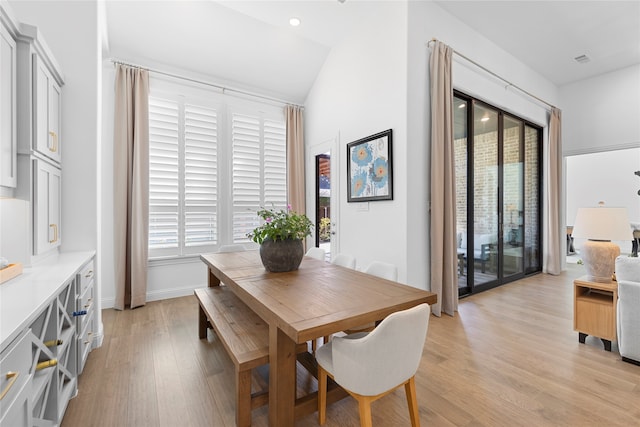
602 224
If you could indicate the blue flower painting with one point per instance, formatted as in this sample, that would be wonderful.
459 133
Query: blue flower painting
379 172
361 155
358 183
370 168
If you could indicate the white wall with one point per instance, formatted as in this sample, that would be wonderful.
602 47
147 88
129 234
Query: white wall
615 184
601 143
361 90
427 21
71 30
601 113
346 100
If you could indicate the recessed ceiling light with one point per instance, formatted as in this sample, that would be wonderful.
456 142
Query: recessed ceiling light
462 105
582 59
485 119
294 22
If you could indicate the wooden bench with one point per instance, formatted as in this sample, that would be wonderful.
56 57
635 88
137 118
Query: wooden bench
245 337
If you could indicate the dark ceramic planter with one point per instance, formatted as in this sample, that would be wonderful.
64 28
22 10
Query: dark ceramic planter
281 255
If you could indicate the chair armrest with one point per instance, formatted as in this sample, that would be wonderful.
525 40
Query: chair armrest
629 319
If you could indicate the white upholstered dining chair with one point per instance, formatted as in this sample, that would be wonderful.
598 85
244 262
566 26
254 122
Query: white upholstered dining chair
371 365
381 269
345 260
384 270
317 253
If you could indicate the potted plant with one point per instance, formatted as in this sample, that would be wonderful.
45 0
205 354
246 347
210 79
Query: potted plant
280 237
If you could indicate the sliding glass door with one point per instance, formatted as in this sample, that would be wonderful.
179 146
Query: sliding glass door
498 195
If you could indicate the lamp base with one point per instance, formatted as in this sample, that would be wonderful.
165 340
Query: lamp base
599 259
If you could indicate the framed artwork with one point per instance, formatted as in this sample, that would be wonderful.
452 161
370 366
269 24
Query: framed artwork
369 168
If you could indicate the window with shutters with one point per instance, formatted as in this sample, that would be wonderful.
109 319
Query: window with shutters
259 170
212 165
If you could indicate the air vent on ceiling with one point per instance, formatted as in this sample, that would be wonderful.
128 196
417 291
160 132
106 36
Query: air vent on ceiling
582 59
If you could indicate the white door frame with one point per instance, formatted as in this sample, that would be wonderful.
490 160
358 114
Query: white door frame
329 146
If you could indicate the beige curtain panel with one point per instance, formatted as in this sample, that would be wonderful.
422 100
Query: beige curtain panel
131 185
444 279
295 159
555 241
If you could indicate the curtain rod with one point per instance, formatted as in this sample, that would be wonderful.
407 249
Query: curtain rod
202 82
433 40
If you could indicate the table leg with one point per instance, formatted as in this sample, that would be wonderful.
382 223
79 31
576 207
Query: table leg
213 280
282 378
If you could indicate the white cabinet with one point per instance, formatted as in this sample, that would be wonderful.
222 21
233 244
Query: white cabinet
85 313
39 338
39 104
15 382
8 133
46 206
46 111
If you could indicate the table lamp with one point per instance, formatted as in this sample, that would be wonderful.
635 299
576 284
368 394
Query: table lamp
601 225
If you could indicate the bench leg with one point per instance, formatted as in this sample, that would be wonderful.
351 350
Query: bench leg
243 398
202 323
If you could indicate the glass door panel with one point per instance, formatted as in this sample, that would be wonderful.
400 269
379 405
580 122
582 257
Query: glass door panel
323 202
532 197
498 195
482 243
512 198
460 147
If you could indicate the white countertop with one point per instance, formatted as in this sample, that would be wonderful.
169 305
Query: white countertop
24 297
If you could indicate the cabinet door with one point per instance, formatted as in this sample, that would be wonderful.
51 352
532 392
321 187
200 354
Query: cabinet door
8 136
46 93
47 207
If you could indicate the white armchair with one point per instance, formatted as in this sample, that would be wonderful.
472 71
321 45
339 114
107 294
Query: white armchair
370 366
628 277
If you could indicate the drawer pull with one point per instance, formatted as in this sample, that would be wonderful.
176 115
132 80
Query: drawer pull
87 342
46 364
55 233
53 343
54 138
12 377
89 274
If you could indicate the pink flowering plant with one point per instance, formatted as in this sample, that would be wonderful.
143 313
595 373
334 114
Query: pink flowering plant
281 225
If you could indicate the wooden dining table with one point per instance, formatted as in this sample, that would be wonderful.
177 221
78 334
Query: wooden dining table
317 300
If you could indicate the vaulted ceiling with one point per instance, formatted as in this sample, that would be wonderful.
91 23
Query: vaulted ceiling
250 44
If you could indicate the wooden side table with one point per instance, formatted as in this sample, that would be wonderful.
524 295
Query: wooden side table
594 310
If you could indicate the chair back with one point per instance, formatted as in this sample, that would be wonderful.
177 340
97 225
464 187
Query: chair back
345 260
317 253
231 248
383 269
384 358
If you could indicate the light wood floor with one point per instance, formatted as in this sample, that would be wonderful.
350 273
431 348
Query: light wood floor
509 358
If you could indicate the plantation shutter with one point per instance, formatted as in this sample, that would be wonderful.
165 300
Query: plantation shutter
247 177
201 176
259 170
163 174
275 164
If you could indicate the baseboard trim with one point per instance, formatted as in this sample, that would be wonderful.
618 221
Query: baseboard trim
157 295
